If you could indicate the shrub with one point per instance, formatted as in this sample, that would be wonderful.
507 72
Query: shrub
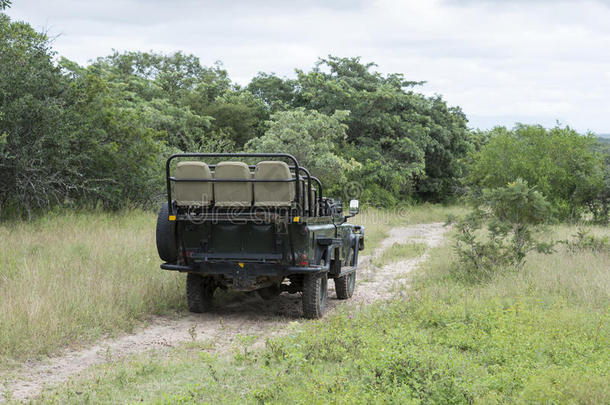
584 240
502 229
560 162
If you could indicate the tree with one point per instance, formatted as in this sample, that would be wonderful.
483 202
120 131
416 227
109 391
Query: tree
119 155
34 166
600 205
67 138
188 101
311 137
238 115
410 146
275 92
559 162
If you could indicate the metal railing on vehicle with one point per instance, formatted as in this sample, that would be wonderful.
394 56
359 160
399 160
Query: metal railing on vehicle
297 169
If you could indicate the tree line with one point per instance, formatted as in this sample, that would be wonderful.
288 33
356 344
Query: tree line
74 135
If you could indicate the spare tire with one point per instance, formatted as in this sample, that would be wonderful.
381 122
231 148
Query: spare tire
166 242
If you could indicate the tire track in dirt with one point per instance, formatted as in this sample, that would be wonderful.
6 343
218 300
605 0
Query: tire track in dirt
235 314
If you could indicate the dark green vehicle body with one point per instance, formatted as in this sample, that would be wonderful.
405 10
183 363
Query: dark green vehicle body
300 240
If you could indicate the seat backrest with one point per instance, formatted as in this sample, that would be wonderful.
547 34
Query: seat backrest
193 194
232 194
273 194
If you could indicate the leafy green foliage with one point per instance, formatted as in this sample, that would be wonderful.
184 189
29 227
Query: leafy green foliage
31 118
68 136
276 93
600 206
509 218
190 103
407 145
559 162
98 134
72 135
312 138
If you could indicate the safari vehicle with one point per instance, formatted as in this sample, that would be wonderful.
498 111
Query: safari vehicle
263 226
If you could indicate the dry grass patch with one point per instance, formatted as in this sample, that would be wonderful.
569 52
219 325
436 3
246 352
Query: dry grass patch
72 278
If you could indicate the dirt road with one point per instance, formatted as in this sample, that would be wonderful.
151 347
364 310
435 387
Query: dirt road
237 314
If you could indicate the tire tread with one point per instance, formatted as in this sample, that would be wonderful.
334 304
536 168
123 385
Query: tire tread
198 293
166 246
312 295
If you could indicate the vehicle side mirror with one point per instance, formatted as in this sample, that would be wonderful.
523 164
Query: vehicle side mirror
354 207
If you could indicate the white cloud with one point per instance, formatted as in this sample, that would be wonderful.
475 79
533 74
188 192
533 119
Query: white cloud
501 61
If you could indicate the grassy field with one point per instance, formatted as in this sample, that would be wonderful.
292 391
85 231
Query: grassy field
538 336
68 279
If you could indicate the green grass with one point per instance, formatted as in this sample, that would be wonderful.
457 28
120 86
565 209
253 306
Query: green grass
541 335
72 278
400 251
69 279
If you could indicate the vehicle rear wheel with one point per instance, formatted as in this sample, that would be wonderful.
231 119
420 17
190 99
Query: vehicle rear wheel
315 292
199 292
345 285
269 293
166 243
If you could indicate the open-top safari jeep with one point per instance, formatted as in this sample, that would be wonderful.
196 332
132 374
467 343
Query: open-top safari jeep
263 226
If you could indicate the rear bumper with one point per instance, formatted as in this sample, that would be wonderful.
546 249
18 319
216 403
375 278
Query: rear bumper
247 275
256 269
177 267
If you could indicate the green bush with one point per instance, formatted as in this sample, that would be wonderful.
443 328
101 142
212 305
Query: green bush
584 240
66 136
502 228
560 163
312 138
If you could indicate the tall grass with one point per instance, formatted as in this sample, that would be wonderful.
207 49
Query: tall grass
536 336
70 278
578 278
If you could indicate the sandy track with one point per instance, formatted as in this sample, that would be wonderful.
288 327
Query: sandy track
238 314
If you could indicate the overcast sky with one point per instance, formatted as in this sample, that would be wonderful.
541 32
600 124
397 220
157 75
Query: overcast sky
535 61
